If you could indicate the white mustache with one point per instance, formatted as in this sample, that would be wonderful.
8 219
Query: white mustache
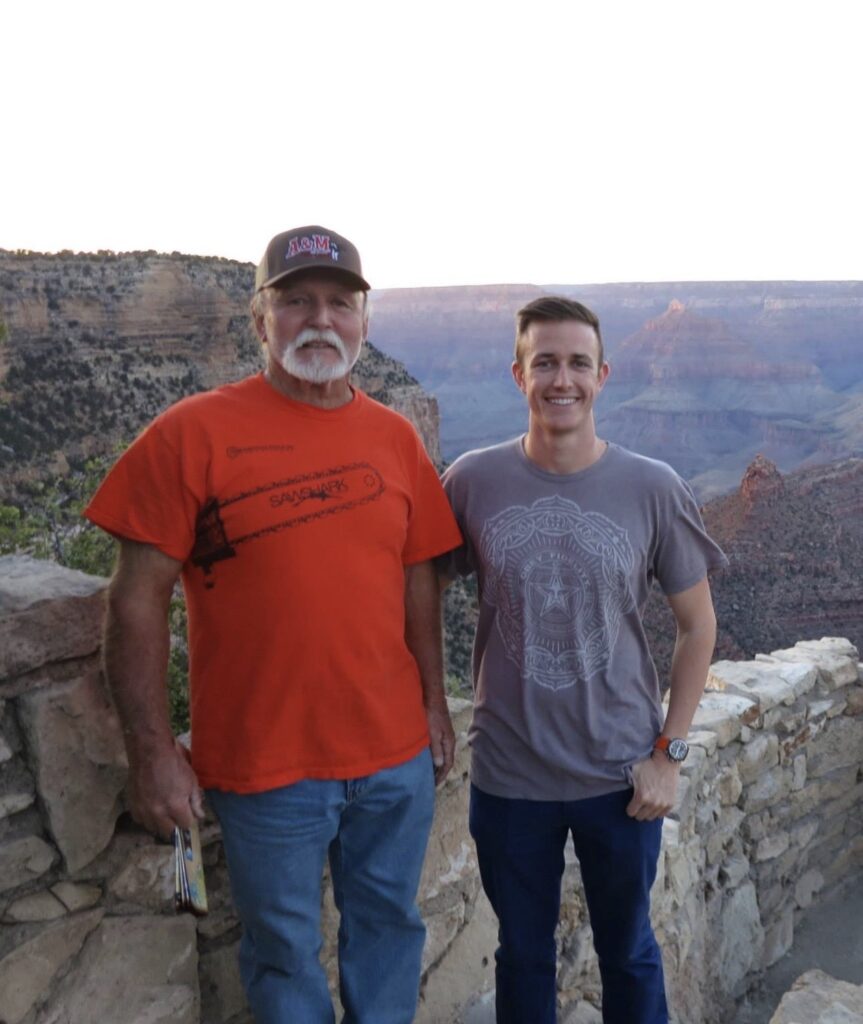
309 336
317 368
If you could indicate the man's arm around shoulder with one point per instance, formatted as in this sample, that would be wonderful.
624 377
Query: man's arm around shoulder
655 779
162 789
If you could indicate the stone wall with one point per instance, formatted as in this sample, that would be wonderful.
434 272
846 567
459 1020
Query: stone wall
769 818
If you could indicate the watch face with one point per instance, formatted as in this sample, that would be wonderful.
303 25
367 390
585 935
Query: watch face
677 750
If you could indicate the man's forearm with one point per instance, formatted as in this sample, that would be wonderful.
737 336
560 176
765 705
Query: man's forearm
162 790
424 638
423 630
696 639
689 666
656 778
137 642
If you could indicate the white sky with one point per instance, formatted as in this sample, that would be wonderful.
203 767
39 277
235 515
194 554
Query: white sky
455 142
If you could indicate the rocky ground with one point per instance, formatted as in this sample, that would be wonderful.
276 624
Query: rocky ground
830 938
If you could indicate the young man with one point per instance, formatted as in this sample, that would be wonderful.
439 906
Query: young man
566 532
302 517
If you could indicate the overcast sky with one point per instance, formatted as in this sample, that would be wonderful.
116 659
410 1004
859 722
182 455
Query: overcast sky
460 142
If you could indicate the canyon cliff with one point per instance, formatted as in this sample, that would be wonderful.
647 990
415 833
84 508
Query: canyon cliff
93 346
691 390
795 547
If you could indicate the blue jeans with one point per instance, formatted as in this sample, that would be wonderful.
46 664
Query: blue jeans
374 830
520 846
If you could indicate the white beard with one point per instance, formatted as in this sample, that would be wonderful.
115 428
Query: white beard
317 367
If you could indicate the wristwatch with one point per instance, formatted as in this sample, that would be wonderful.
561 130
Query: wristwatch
674 749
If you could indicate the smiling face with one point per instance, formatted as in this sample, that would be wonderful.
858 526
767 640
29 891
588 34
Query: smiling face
559 371
313 326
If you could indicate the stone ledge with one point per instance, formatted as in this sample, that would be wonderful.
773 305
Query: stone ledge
47 613
817 998
26 582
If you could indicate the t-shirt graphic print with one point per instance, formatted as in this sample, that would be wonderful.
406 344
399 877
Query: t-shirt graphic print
558 577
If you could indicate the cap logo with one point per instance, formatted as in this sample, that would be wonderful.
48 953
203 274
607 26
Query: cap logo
312 245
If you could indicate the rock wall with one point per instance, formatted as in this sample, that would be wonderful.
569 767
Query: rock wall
768 819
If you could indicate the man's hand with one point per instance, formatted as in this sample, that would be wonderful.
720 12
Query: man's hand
655 782
163 791
442 741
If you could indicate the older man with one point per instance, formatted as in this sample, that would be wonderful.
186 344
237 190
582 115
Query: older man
302 517
566 533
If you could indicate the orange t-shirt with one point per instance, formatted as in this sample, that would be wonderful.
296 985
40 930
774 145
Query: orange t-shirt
294 525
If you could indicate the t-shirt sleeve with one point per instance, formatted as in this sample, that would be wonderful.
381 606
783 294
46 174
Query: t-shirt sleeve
684 554
459 561
147 497
432 528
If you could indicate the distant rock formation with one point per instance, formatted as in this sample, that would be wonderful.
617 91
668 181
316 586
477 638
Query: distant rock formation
692 391
761 481
682 345
458 342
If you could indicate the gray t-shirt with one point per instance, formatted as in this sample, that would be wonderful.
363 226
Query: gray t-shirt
566 693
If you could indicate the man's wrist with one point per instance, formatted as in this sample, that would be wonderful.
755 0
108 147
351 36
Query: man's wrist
673 748
145 747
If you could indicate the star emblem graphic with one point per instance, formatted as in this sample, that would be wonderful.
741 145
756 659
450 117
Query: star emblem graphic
554 595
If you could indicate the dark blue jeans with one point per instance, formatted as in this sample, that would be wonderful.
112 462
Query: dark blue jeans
520 846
